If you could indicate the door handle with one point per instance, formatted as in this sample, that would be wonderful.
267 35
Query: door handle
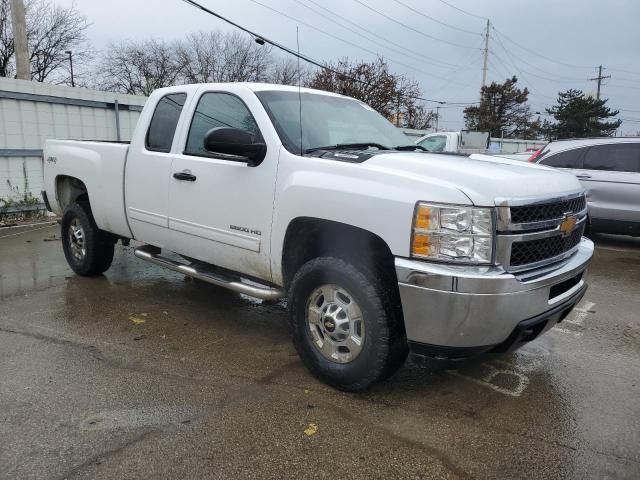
583 175
186 176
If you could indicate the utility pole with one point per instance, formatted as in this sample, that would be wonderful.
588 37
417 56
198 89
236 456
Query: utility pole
437 117
23 70
398 112
486 55
599 79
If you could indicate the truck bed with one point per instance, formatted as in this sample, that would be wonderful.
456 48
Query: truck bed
100 166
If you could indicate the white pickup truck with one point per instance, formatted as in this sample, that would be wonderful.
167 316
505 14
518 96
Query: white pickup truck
277 192
455 142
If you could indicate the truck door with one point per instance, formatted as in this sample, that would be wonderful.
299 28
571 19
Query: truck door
220 208
148 172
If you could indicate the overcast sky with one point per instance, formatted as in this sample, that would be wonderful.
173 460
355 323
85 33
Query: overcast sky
550 45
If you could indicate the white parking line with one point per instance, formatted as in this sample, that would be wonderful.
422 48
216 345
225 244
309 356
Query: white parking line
575 320
510 377
518 380
505 377
579 314
566 331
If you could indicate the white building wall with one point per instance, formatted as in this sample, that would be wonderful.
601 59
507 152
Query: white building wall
25 124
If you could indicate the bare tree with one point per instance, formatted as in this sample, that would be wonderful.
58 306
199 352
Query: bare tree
390 94
287 71
418 117
52 30
218 57
138 68
7 48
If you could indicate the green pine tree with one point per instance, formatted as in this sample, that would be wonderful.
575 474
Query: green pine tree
578 115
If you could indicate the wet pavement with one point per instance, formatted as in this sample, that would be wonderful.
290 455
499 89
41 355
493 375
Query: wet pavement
142 373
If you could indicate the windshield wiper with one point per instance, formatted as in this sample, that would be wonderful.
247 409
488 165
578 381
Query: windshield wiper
341 146
408 148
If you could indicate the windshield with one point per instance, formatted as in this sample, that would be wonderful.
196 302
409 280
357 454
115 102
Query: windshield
326 121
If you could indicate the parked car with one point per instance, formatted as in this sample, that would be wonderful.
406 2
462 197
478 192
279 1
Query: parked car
377 250
609 168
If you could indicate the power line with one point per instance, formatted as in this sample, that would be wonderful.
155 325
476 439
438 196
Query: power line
542 77
334 14
306 58
408 27
518 69
623 86
463 11
333 17
470 62
564 79
418 12
625 71
503 69
557 78
631 72
538 54
348 42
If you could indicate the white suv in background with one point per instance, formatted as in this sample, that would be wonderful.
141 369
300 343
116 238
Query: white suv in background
609 168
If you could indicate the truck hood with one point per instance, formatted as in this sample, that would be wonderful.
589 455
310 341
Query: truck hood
482 178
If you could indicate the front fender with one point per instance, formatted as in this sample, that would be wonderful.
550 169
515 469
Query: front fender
350 194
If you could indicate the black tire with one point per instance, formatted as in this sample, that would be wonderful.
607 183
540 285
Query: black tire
98 245
384 347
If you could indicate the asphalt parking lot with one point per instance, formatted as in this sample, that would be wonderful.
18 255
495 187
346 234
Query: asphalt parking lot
142 373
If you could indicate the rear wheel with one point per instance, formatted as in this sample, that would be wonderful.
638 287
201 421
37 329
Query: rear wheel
88 250
345 329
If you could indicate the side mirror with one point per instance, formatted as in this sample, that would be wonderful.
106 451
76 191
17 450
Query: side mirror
236 142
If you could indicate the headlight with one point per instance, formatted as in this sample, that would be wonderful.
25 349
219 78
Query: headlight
453 233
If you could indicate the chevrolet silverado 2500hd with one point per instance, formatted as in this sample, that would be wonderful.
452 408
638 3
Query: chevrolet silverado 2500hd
275 192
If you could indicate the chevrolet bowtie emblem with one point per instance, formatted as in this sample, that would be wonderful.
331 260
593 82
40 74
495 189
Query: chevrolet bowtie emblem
568 224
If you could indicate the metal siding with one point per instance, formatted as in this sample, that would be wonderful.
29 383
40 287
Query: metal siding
28 119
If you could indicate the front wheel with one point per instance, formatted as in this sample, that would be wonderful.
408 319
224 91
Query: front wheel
88 250
345 327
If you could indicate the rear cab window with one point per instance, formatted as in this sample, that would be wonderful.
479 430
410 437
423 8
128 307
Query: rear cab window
164 122
618 157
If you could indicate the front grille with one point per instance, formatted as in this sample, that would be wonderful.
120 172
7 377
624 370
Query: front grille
531 251
547 211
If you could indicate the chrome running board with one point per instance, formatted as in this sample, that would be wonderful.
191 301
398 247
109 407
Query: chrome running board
252 289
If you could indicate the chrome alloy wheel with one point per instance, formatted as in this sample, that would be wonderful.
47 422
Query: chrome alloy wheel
77 240
336 324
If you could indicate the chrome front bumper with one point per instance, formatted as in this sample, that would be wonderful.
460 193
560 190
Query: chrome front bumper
479 308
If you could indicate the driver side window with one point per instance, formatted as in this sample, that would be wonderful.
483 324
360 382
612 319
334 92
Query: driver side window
215 110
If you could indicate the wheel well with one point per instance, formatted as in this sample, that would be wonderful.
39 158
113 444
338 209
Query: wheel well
309 238
69 190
